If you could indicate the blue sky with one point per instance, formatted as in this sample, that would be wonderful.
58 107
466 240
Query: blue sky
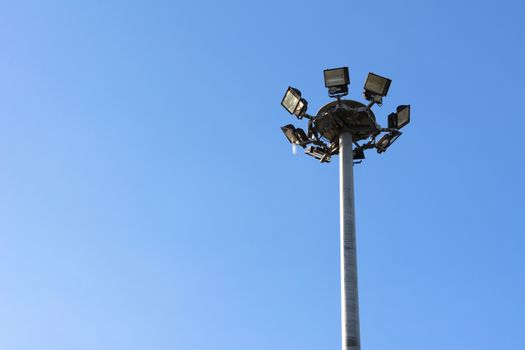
148 199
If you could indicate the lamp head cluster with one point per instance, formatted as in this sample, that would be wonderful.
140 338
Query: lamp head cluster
321 141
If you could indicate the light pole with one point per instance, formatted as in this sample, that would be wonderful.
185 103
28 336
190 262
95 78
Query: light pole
336 129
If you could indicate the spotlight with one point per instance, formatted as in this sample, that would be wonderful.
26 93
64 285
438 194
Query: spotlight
399 119
337 80
295 135
318 153
376 87
301 108
385 141
358 154
293 102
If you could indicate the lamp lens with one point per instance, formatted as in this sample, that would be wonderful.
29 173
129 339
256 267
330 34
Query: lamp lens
289 132
290 101
336 77
403 116
377 85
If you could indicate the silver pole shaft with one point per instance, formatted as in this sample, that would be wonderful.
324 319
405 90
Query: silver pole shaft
349 297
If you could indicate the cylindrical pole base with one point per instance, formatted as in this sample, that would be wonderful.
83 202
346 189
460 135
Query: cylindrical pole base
349 296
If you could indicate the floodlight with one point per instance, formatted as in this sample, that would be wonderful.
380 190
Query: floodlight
301 108
295 135
337 80
403 115
399 119
293 102
376 87
318 153
386 141
383 143
301 136
358 154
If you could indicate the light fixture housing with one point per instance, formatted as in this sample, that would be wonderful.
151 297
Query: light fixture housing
403 115
376 87
387 140
399 119
293 102
301 108
337 81
289 132
383 143
295 135
318 153
358 154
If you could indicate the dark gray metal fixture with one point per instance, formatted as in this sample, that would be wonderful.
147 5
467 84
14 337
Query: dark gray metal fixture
337 81
376 87
293 102
341 116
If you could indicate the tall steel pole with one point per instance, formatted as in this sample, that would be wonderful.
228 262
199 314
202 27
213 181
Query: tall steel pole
336 128
349 297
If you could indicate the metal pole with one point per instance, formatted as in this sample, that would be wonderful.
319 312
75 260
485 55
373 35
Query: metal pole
349 297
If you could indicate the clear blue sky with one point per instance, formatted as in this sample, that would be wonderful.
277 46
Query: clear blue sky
148 199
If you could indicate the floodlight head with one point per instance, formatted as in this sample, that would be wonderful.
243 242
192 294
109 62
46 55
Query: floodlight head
399 119
358 154
318 153
376 87
337 80
386 141
295 135
293 102
301 108
403 115
289 131
383 143
301 137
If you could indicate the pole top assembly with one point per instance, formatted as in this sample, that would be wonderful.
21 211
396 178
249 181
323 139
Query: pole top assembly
336 117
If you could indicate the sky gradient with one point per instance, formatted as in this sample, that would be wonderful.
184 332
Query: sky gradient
148 199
